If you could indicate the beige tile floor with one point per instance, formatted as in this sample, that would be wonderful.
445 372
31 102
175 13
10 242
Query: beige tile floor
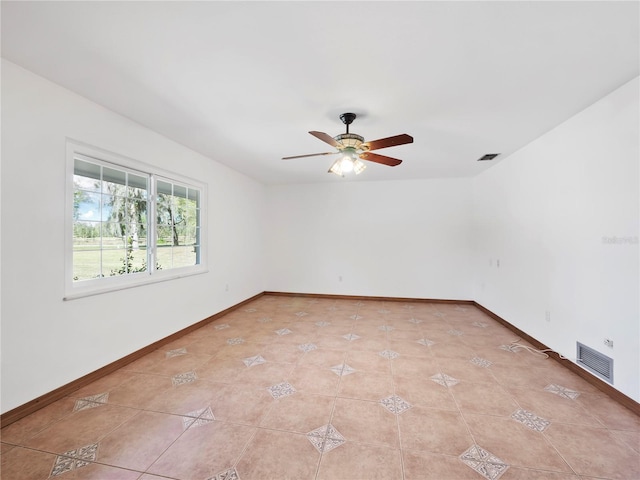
301 388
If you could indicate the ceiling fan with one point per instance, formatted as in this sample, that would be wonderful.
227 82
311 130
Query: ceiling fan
353 149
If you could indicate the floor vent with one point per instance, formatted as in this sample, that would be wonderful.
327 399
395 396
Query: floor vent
595 362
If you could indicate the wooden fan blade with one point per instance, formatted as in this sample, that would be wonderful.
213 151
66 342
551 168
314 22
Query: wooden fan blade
374 157
326 138
309 155
388 142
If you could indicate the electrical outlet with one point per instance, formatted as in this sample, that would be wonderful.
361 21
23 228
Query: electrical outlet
608 342
547 316
339 278
498 262
226 287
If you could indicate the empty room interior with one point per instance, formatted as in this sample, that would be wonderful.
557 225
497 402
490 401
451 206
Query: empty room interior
320 240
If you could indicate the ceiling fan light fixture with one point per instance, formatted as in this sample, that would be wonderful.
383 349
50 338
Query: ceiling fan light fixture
337 168
358 167
346 164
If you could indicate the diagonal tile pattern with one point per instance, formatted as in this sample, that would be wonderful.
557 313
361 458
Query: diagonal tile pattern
251 361
562 391
395 404
74 459
230 474
176 353
343 369
182 378
351 336
400 402
481 362
91 401
483 462
530 420
307 347
283 389
390 354
444 380
325 438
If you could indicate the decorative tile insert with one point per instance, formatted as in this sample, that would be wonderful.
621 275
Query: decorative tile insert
251 361
197 417
439 314
562 391
390 354
222 326
283 389
235 341
251 310
484 462
415 320
426 342
480 324
182 378
230 474
322 324
343 369
176 353
509 348
283 331
325 438
395 404
531 420
444 380
264 319
454 332
408 307
383 310
355 317
460 309
481 362
385 328
307 347
351 336
91 402
301 314
73 459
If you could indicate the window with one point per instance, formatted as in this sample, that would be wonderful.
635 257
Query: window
130 224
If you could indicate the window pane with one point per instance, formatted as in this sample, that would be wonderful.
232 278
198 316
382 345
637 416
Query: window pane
86 205
86 264
164 236
86 175
113 236
180 191
86 236
164 256
137 186
183 256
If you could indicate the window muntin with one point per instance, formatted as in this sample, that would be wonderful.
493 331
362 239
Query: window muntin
129 226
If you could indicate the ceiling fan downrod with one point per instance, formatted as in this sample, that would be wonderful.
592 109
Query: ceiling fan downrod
347 119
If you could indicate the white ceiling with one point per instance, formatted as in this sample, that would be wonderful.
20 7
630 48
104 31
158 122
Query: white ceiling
243 82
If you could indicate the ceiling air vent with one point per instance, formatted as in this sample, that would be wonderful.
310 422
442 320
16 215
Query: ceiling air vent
488 156
597 363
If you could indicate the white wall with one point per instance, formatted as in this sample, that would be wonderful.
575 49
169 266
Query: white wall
48 342
395 239
549 213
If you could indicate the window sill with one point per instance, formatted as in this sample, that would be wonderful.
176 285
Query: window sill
79 292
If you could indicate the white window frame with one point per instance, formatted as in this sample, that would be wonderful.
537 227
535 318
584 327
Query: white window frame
100 285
